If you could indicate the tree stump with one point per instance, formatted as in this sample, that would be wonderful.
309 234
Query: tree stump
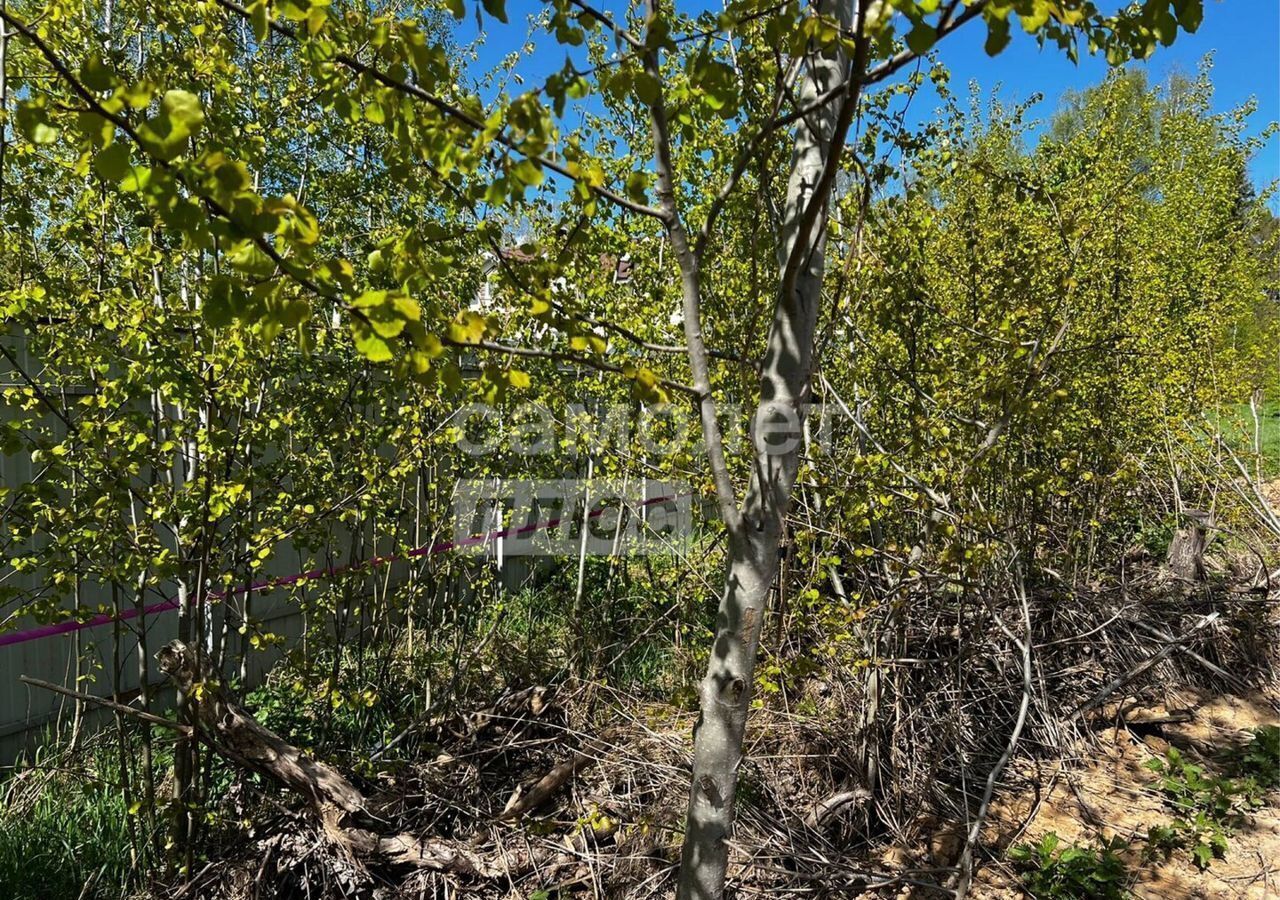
1186 550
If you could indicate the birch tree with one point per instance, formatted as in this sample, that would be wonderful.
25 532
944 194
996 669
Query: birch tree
707 109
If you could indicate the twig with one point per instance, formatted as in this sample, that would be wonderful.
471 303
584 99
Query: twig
541 792
109 704
1098 698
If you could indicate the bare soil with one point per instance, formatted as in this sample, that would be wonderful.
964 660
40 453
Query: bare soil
1107 793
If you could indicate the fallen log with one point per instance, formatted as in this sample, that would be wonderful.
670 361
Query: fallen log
345 813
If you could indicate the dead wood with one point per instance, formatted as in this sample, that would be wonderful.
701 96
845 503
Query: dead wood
545 788
106 703
347 816
1186 550
825 809
1169 648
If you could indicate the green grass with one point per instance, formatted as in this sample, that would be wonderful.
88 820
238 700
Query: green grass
1238 429
65 833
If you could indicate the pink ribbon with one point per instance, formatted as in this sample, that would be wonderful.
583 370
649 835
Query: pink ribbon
72 625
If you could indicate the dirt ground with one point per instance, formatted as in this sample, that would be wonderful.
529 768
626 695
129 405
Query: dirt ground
1271 492
1108 792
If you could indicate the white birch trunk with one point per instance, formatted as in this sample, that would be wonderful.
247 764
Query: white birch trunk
777 431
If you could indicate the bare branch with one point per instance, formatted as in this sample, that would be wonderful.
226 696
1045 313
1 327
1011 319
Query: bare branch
559 356
108 704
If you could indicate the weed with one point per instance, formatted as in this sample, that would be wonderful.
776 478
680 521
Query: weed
1208 808
1260 758
1075 873
64 831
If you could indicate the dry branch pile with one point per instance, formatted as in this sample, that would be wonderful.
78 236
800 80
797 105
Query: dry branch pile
581 787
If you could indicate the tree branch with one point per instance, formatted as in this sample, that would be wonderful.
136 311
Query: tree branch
440 104
559 356
108 704
126 126
608 22
690 292
947 24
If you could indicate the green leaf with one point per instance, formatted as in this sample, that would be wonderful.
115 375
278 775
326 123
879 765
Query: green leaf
33 122
496 8
386 324
113 162
317 16
1035 18
1190 13
230 176
96 75
1203 854
292 221
1164 27
260 19
997 36
293 10
249 258
528 172
180 118
183 107
469 328
637 184
96 129
922 37
220 305
136 179
369 300
646 88
369 343
645 387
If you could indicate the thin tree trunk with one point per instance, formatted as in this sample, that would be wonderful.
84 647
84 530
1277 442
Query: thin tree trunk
77 721
777 432
4 101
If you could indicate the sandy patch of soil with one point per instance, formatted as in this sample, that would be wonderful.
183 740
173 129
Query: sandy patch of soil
1271 493
1108 792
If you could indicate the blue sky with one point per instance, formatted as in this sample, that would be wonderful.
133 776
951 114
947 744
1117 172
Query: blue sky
1242 35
